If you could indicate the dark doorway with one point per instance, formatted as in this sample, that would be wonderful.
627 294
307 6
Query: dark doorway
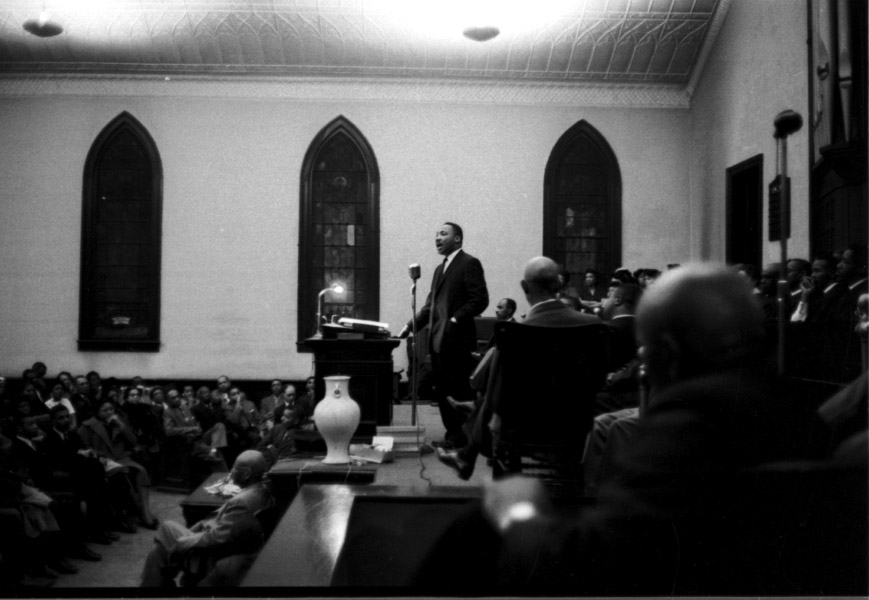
745 212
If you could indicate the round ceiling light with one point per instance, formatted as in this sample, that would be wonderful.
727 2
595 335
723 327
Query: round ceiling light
43 26
481 33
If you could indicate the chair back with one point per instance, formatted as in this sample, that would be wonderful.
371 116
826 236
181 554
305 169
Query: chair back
548 379
485 327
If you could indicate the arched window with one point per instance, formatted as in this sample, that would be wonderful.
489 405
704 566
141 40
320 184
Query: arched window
339 227
582 195
121 233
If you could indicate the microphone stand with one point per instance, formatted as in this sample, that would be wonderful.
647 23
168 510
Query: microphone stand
786 123
414 357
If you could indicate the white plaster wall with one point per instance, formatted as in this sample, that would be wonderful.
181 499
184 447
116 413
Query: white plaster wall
756 70
230 198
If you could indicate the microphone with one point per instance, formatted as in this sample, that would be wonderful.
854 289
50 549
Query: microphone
414 271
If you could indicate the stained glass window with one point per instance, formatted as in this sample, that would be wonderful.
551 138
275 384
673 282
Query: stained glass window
121 232
582 206
339 227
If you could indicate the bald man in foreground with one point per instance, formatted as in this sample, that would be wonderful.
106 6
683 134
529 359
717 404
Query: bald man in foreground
540 284
661 519
234 529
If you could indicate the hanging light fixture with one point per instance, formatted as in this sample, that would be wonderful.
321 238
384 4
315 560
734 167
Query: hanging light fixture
481 33
43 27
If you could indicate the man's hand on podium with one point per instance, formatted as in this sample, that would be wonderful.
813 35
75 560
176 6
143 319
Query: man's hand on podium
404 332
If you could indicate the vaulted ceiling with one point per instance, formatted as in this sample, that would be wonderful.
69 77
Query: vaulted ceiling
644 42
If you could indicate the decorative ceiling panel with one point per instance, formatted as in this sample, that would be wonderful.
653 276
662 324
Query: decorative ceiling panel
656 42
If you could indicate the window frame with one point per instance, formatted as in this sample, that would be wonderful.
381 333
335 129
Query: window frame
307 295
582 129
87 341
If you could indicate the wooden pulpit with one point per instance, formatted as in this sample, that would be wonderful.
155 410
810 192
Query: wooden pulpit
368 363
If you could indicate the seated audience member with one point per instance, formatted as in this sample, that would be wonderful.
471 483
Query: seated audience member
39 371
671 503
308 399
618 312
623 275
208 412
249 408
95 388
611 433
80 399
115 441
28 449
816 291
829 346
188 397
641 277
280 442
234 529
145 420
223 386
241 420
505 309
268 404
69 387
56 399
37 408
851 274
179 423
303 407
74 465
566 290
28 376
203 396
767 294
819 293
13 410
28 521
649 277
158 400
540 284
593 290
797 269
28 452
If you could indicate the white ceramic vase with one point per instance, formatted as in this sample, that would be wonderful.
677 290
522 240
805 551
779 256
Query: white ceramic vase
337 416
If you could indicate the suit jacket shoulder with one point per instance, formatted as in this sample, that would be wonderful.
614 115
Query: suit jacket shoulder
558 314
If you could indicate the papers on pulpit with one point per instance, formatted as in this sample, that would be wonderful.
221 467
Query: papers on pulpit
364 326
379 451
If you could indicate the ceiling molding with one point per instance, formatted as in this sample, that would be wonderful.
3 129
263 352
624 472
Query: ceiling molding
711 36
330 89
657 43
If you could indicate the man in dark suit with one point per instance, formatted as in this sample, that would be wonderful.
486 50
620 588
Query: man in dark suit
234 529
27 451
458 294
76 467
540 284
618 312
